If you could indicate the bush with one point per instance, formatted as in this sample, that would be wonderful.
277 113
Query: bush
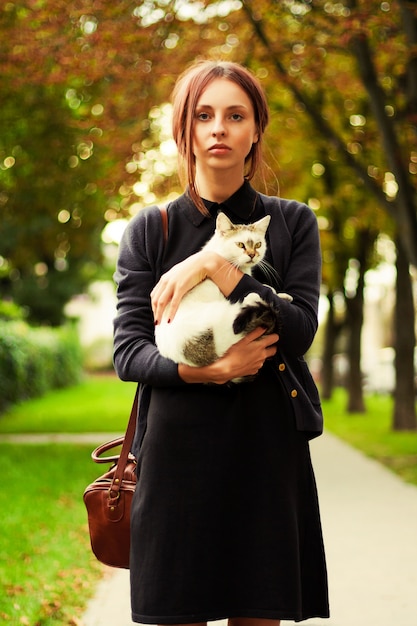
34 360
11 311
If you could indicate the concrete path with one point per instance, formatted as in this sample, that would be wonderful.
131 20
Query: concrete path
93 439
369 521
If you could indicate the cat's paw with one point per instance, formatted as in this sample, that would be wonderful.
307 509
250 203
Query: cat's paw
285 296
252 299
252 316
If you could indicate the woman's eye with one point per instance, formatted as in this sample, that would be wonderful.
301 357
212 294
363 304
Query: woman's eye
236 117
203 117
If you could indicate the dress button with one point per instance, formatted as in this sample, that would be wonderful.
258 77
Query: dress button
294 393
281 367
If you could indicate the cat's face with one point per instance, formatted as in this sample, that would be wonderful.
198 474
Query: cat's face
244 245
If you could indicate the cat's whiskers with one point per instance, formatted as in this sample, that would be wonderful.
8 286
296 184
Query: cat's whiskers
270 272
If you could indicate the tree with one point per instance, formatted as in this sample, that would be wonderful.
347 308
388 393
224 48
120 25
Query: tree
110 67
328 36
320 39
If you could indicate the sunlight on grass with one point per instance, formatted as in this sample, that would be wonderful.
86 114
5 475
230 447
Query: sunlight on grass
99 404
47 570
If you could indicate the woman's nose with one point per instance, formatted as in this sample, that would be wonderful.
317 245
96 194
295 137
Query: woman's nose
218 127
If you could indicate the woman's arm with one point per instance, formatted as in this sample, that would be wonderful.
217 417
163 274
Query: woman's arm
136 358
295 244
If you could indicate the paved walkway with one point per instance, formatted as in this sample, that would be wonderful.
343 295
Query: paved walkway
370 528
93 439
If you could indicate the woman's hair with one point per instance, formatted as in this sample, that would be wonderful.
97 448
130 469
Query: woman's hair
185 96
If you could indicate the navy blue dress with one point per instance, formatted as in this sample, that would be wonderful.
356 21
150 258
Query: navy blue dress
225 519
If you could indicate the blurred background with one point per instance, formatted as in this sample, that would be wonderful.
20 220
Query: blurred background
85 143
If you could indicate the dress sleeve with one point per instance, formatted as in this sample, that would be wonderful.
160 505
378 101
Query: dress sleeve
300 278
136 358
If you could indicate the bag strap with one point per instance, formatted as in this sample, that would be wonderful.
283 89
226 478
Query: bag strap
164 217
131 426
125 451
120 441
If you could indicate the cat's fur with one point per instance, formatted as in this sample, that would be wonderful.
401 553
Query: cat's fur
206 324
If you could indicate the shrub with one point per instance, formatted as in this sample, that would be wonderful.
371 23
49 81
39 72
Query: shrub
34 360
11 311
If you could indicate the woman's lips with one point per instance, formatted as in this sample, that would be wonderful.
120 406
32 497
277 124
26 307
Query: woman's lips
219 148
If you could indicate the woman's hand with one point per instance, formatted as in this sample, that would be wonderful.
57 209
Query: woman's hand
244 358
180 279
174 284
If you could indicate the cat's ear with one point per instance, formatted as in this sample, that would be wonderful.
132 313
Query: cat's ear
223 224
262 224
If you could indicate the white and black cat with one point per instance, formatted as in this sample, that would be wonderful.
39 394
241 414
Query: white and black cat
206 324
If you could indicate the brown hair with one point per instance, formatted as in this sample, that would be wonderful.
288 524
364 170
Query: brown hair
187 91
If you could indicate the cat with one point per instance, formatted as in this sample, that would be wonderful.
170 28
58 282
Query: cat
206 324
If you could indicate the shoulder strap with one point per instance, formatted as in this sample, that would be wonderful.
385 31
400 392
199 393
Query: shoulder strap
131 427
164 217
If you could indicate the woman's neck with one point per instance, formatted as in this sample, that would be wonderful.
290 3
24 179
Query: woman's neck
217 188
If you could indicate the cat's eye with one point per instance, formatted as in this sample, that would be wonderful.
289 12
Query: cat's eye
258 245
240 244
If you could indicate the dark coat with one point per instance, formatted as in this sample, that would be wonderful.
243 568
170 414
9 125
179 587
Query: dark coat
294 250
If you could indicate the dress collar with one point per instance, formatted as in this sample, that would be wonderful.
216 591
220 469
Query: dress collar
239 207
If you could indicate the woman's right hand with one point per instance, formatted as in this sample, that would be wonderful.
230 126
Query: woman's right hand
244 358
181 278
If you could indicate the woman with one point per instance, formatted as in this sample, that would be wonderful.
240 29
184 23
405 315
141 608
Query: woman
225 518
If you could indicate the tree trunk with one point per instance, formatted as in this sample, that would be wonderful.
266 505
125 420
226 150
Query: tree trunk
354 307
404 417
330 334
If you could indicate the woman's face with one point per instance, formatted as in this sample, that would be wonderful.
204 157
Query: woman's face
224 128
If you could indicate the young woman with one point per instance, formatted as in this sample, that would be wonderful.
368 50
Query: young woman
225 520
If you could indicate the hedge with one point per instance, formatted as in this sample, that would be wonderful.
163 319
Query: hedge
35 360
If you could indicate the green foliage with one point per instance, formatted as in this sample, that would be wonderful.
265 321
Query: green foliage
11 311
78 123
47 569
34 360
98 404
53 209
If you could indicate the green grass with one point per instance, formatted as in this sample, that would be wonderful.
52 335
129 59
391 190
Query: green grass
47 570
99 404
371 433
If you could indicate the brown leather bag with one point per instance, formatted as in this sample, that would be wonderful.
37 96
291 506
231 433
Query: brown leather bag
108 499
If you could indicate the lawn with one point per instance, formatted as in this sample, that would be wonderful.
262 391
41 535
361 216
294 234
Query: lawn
47 570
99 404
